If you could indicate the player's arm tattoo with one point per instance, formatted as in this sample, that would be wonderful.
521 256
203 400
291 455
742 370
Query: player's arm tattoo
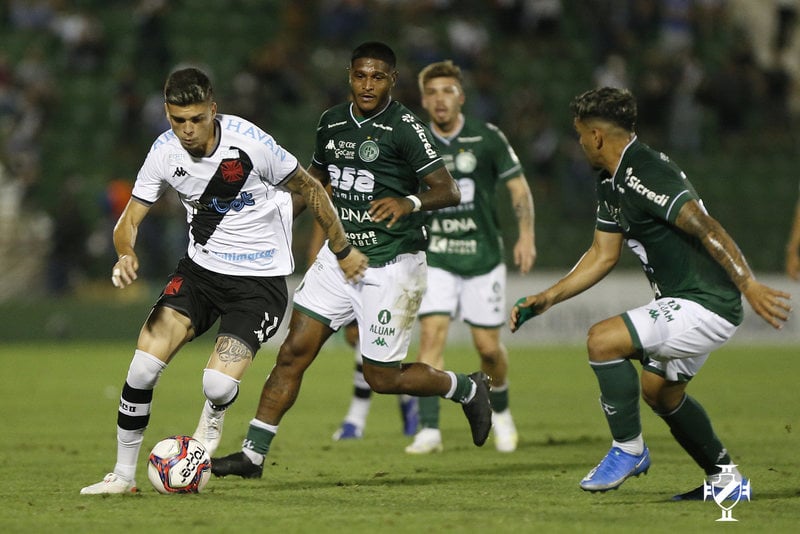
693 220
231 350
318 201
522 202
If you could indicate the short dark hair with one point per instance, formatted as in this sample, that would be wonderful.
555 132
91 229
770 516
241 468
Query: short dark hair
375 50
188 86
616 106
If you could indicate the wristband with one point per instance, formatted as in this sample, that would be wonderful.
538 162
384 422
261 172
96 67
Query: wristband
342 254
416 201
525 312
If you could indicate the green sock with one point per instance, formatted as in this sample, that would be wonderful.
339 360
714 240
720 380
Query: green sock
258 439
429 412
463 387
691 427
619 398
499 399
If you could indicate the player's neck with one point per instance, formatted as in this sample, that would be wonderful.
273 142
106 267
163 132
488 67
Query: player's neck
449 129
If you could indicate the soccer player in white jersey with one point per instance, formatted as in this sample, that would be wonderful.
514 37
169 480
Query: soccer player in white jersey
698 276
236 183
466 269
378 158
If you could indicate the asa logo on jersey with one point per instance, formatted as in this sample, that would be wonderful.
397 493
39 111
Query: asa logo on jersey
232 171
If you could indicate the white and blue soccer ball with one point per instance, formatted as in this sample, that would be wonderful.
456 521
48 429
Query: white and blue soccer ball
179 464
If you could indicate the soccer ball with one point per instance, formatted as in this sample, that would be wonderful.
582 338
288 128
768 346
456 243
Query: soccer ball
179 464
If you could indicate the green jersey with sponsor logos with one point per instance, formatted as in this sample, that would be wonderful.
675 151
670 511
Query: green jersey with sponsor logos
465 239
642 201
386 155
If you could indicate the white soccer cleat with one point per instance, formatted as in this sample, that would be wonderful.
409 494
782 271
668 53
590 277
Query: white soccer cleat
505 433
209 428
112 483
427 441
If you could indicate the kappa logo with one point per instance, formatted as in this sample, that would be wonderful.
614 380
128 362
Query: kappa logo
380 342
179 172
331 145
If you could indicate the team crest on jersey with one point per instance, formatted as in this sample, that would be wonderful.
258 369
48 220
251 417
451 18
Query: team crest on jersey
368 151
466 162
232 171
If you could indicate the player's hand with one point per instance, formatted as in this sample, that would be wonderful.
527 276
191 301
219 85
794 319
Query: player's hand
524 255
354 265
391 208
526 308
124 272
770 304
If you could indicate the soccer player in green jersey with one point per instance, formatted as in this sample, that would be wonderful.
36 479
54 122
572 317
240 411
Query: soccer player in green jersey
466 269
697 273
376 156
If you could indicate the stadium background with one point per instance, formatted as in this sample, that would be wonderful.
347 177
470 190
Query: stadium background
80 103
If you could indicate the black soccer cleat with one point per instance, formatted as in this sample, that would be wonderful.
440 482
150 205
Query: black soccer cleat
479 409
236 464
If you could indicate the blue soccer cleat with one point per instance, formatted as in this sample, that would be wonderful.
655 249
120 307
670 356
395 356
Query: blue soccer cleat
614 469
347 431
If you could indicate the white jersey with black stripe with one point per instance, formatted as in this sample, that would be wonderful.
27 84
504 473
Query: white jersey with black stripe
239 214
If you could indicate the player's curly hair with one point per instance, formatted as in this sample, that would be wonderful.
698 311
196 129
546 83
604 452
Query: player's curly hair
440 69
188 86
616 106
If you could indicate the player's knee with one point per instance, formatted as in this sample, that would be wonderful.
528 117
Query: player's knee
596 345
381 379
220 389
144 371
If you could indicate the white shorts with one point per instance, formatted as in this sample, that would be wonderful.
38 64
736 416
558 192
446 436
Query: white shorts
384 303
476 300
676 336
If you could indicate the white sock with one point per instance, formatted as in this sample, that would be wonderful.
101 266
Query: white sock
255 457
714 479
453 384
129 442
358 411
634 446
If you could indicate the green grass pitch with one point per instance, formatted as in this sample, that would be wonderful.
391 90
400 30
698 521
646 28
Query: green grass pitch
59 411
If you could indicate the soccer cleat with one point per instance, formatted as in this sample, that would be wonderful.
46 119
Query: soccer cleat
409 411
614 469
703 493
479 409
112 483
427 441
505 433
236 464
347 431
209 428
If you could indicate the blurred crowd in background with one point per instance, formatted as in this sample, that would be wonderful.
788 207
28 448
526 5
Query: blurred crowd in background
81 102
